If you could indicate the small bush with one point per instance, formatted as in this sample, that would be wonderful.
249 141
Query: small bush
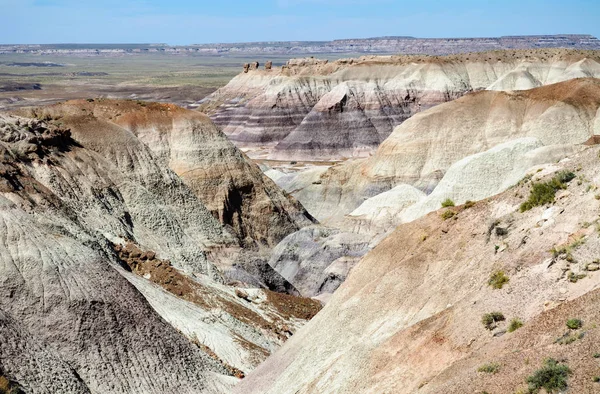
489 319
448 214
469 204
573 277
596 355
567 339
489 368
552 377
515 324
565 176
596 379
447 203
544 192
498 280
574 324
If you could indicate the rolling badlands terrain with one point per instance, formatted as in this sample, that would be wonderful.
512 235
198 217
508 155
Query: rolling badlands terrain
389 224
313 110
104 245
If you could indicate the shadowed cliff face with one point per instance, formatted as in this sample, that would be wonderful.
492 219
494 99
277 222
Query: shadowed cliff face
314 110
106 275
234 190
409 317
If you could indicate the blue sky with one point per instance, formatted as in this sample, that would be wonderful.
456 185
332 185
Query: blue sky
201 21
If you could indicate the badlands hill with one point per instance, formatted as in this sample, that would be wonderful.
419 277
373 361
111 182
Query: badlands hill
422 151
108 258
311 109
411 317
233 189
468 149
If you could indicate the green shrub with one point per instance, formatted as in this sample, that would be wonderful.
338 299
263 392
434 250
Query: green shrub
447 203
544 192
515 324
564 177
489 319
596 379
489 368
498 280
573 277
469 204
574 324
448 214
596 355
552 377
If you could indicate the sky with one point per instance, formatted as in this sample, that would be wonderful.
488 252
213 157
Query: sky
182 22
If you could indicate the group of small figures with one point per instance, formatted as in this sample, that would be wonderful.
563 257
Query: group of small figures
255 65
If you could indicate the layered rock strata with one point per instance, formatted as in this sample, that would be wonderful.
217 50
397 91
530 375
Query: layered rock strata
315 110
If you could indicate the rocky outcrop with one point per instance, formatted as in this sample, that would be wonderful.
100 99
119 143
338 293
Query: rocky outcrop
317 110
409 317
233 189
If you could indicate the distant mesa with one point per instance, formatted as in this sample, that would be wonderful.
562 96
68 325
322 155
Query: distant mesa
380 45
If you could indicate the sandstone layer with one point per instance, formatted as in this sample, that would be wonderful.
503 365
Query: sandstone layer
319 110
409 317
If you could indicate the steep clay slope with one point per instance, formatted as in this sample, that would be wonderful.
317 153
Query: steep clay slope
233 189
315 110
409 317
421 150
87 212
66 305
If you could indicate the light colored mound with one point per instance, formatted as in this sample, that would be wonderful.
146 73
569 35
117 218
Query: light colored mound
382 212
307 258
488 173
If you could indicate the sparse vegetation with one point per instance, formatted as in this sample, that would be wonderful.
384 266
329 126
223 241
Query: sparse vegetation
489 320
448 214
515 324
543 193
574 324
447 203
469 204
498 280
552 377
596 379
567 339
573 277
596 355
489 368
